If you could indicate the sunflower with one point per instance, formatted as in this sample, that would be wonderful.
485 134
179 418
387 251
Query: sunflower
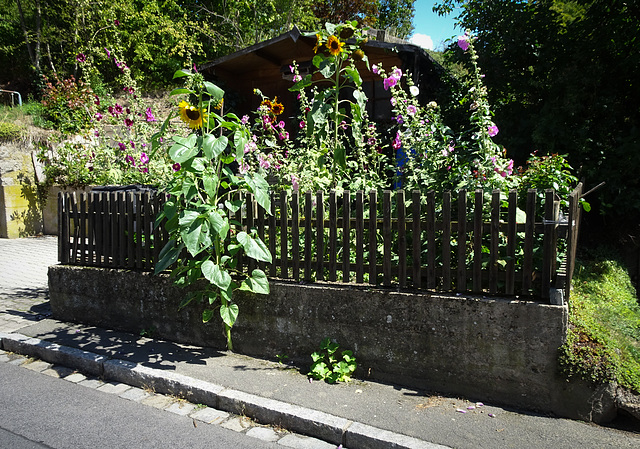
276 108
334 45
267 104
318 42
191 115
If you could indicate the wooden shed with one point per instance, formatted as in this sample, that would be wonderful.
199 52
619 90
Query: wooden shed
266 66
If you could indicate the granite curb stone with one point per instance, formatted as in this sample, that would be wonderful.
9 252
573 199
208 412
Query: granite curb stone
316 424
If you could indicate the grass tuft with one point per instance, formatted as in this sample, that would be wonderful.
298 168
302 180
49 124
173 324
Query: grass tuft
603 342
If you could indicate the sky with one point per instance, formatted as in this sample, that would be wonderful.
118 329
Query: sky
431 30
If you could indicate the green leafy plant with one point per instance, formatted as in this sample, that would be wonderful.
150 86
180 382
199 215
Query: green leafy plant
331 367
205 242
11 131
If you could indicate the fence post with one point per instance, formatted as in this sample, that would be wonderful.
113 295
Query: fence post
572 236
461 282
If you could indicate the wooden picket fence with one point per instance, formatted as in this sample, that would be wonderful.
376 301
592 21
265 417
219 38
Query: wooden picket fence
467 242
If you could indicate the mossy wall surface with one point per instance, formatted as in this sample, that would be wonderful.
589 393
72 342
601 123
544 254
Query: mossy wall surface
492 349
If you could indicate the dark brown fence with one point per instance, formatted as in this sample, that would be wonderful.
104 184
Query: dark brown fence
467 242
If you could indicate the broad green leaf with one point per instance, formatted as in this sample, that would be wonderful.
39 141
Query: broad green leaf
214 91
213 147
354 76
181 73
210 182
207 314
339 156
229 314
327 68
219 223
213 273
318 59
180 91
196 237
168 256
233 206
239 141
184 148
361 99
254 247
302 84
260 188
187 217
199 164
256 283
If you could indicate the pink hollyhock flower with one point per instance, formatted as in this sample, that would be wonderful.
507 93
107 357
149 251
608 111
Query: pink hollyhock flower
375 69
176 166
302 124
144 159
128 122
493 130
150 116
244 120
397 142
412 110
295 185
389 82
463 42
98 116
121 146
81 57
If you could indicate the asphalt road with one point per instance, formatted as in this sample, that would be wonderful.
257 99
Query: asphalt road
39 411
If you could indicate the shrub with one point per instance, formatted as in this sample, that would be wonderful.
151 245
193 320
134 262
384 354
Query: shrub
68 104
10 131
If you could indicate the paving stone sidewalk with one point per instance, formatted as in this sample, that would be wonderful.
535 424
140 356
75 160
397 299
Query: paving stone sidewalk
23 280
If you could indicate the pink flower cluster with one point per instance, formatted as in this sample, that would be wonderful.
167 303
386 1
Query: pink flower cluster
393 79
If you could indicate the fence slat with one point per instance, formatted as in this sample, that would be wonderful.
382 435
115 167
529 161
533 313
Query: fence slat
416 238
359 237
461 270
83 228
547 245
158 241
251 208
272 236
74 230
320 235
284 240
346 235
402 239
139 229
129 244
529 227
260 212
572 236
511 243
295 234
446 240
91 223
373 237
333 236
100 220
431 240
494 255
386 237
477 241
63 238
308 237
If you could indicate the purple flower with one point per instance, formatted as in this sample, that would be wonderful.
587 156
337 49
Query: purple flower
150 116
133 144
244 168
98 116
397 74
400 119
375 69
97 102
81 57
176 166
116 22
281 124
130 159
294 183
463 43
116 110
244 120
411 110
121 146
393 101
397 142
108 52
128 122
97 133
389 82
492 130
144 159
302 124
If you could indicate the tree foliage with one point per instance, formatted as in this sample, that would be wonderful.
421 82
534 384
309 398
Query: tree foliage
561 75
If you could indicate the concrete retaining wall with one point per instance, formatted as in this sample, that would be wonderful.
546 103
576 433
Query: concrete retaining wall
490 349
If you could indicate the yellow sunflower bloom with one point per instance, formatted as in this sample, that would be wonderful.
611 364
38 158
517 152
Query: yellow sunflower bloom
318 42
334 45
191 115
276 108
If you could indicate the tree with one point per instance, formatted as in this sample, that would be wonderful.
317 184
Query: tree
342 11
561 77
396 15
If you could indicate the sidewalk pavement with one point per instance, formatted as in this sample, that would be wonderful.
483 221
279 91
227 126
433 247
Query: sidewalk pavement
266 399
